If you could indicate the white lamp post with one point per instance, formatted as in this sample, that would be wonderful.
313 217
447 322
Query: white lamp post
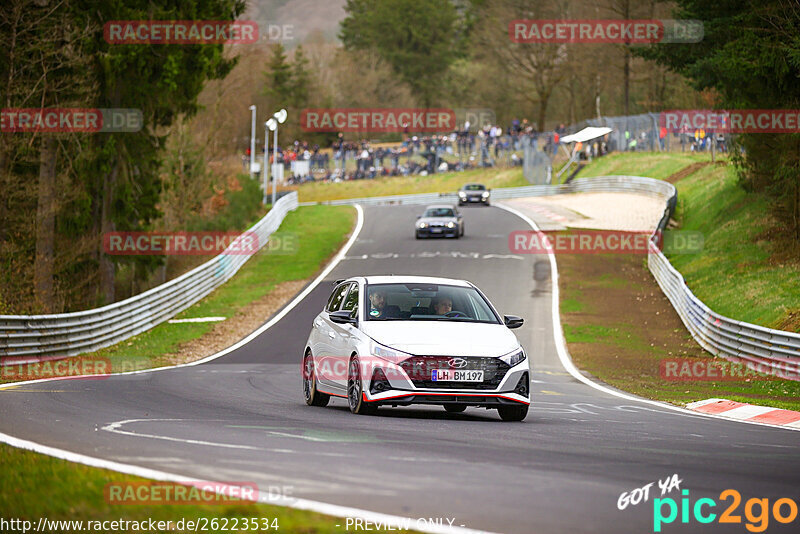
280 117
269 126
252 139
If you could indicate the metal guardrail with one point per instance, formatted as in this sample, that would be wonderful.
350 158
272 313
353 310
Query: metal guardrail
760 348
31 337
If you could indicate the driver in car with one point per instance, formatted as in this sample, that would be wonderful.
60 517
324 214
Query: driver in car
442 305
377 304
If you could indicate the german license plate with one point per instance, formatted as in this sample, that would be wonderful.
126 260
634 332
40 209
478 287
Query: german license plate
451 375
436 230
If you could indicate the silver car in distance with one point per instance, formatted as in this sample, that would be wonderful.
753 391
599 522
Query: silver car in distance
439 220
402 340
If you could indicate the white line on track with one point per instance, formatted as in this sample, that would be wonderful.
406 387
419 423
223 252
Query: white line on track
566 360
116 428
197 320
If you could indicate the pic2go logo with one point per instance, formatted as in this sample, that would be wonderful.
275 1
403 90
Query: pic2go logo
757 521
642 494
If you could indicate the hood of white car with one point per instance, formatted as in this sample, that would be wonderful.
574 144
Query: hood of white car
442 338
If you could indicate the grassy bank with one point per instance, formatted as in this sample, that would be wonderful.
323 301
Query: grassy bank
36 486
403 185
621 328
745 271
658 165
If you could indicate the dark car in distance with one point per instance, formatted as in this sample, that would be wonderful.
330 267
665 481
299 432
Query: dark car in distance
473 194
440 220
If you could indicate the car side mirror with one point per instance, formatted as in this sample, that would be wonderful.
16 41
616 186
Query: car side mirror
342 317
512 321
419 216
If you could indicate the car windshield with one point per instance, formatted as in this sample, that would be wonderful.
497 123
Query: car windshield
439 212
427 302
474 187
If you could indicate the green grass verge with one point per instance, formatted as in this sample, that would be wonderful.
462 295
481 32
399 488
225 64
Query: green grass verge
658 165
36 486
403 185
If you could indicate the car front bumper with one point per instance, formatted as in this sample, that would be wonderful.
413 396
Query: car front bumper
501 386
437 232
475 199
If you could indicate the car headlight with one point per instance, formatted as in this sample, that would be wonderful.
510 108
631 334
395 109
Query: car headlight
422 225
388 354
451 224
462 194
485 194
514 358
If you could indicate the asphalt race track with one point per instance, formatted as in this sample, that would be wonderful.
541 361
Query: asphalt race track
242 418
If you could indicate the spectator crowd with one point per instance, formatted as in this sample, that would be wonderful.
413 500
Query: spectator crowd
462 149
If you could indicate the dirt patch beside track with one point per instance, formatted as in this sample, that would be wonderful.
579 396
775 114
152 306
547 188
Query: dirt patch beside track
686 171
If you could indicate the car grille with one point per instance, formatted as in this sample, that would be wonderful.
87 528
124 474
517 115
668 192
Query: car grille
419 368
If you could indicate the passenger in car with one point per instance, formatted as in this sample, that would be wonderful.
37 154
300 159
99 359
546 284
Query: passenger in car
442 305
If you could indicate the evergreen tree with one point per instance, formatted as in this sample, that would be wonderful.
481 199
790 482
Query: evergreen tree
279 79
301 79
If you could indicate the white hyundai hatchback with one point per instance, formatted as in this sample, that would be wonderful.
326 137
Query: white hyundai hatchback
402 340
